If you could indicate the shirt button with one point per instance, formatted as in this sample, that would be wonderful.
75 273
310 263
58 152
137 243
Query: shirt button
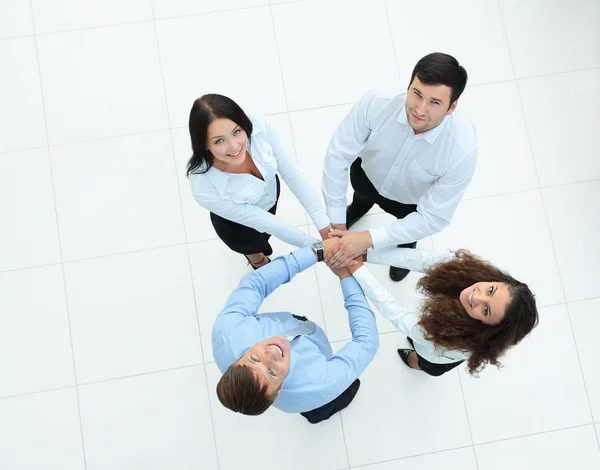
269 153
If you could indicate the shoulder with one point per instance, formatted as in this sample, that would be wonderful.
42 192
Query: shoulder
462 131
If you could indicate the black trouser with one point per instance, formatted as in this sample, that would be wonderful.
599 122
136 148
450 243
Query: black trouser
324 412
238 237
432 368
365 196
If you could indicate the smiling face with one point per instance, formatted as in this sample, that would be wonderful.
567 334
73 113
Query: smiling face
227 142
486 301
427 105
270 361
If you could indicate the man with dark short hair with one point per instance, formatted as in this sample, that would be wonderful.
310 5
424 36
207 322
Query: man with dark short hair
406 149
284 360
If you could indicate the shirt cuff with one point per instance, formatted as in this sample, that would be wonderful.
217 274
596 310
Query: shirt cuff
350 286
337 215
380 237
305 257
320 219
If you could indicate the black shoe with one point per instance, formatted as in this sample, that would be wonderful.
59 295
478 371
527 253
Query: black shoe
352 216
346 397
404 353
397 274
268 250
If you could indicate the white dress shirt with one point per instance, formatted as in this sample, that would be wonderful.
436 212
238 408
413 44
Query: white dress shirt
402 317
245 199
431 170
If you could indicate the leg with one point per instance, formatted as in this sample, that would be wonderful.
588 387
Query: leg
329 409
364 194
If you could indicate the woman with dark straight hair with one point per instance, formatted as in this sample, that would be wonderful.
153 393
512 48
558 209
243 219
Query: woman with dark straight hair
472 310
234 174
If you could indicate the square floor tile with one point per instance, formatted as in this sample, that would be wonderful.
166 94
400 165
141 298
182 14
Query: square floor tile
574 219
586 322
512 232
30 233
569 448
15 18
198 226
297 445
34 338
313 130
154 421
132 314
62 15
248 72
126 195
550 36
102 82
332 299
41 431
399 412
476 29
214 286
170 8
459 459
22 110
320 72
564 150
504 164
539 388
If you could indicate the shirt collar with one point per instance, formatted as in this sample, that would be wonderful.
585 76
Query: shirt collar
220 178
432 134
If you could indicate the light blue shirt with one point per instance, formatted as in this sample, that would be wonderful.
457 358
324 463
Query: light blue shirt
316 375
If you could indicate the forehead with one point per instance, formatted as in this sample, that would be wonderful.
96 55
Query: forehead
221 126
439 92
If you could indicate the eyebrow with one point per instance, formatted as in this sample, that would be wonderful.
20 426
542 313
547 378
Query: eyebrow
218 136
491 295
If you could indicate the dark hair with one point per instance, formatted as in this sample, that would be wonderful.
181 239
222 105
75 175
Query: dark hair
446 323
205 110
241 391
438 68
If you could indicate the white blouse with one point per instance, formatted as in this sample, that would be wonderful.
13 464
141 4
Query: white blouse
245 199
402 317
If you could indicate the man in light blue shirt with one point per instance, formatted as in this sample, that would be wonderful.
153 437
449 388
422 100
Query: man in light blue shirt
283 360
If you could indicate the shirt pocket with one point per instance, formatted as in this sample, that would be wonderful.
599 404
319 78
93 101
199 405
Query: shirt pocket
244 191
420 178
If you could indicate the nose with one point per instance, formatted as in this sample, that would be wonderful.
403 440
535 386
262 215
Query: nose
421 108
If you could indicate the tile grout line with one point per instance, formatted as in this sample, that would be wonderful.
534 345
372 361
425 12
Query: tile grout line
391 31
560 277
187 245
316 277
462 392
60 248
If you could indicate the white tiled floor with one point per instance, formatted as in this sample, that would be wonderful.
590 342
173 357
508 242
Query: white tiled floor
111 275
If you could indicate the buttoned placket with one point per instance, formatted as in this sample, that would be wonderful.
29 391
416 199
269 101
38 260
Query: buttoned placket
400 163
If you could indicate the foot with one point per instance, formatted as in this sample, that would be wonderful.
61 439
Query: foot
397 274
346 398
405 355
257 263
352 216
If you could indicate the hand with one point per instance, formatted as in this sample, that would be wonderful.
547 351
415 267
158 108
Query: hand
339 227
342 273
351 245
324 232
358 262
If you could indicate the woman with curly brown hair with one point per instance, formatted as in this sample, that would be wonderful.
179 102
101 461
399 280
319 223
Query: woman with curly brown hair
472 310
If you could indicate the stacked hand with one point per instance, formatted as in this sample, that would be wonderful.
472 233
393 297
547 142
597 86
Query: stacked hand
331 244
350 246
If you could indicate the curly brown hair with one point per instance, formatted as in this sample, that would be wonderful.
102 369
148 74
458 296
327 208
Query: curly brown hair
446 323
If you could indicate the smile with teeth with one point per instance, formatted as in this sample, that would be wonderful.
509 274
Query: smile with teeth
236 154
278 348
470 298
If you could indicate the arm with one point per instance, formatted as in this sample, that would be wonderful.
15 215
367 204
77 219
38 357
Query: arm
413 259
351 361
254 287
256 218
434 211
345 146
297 181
